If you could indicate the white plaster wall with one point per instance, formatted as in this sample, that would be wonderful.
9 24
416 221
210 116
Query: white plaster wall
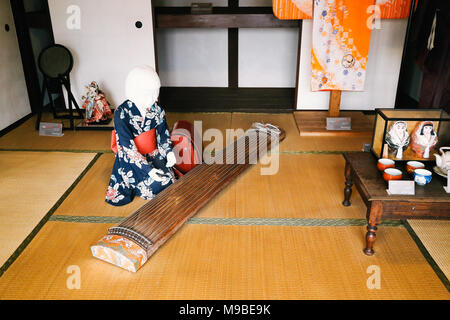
268 57
383 68
14 102
193 57
108 44
199 57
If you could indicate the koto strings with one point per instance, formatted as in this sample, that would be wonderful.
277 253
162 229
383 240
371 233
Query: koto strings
170 209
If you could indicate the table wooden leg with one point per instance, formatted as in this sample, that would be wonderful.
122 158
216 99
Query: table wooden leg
370 240
348 185
374 214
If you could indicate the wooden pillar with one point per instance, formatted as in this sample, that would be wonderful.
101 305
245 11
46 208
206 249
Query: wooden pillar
233 51
26 52
335 103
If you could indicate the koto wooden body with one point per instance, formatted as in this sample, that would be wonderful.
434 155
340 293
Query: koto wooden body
131 243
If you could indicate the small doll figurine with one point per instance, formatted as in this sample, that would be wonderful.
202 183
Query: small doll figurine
96 105
424 138
398 138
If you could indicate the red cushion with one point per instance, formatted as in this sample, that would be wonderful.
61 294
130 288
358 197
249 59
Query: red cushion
183 146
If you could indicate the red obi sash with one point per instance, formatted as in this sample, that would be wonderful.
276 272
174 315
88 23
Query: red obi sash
145 142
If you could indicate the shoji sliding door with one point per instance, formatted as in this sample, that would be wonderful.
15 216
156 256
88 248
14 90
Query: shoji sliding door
107 39
14 103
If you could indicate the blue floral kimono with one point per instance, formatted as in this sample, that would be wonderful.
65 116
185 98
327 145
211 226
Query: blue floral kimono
130 175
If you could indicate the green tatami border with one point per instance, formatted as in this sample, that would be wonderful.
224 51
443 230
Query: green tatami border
441 275
300 222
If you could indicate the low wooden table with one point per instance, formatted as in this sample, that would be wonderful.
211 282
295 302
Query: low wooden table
430 201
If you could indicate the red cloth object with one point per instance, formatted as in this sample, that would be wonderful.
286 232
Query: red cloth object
187 151
145 142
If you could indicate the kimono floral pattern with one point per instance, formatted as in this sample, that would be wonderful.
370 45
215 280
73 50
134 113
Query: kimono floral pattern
340 43
130 175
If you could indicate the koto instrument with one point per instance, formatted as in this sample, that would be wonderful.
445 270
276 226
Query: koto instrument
131 243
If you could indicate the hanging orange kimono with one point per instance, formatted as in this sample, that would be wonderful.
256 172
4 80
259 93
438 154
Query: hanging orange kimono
394 9
292 9
340 44
341 36
303 9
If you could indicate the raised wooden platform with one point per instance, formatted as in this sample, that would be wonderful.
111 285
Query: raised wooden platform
314 123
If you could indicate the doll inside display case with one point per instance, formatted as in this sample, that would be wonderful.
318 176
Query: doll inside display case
404 135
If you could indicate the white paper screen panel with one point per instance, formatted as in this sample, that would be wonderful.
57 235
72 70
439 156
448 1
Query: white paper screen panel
193 57
107 44
268 57
14 103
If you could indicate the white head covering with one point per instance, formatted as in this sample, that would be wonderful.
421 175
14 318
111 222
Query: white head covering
142 87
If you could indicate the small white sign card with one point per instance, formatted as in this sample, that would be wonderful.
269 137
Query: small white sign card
401 187
50 129
339 123
447 188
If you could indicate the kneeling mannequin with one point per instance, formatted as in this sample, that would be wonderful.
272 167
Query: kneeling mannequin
140 116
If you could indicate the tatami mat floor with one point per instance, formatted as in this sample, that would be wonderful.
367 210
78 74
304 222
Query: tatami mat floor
31 183
282 236
435 237
226 262
295 191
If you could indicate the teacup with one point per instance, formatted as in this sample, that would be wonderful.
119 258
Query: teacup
422 176
413 165
392 174
384 163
